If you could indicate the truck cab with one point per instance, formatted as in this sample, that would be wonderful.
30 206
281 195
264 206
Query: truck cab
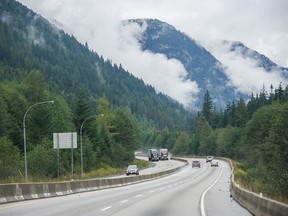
163 154
153 155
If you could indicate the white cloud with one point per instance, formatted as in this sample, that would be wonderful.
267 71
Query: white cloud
166 75
259 24
244 72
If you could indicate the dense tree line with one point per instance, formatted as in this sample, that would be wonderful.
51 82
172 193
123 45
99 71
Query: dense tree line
254 133
108 141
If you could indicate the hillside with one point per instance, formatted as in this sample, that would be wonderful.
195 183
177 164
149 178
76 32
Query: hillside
263 61
201 65
29 42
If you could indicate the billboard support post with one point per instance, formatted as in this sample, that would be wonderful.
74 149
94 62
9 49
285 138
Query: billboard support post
65 141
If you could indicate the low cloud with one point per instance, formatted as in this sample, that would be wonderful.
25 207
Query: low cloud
166 75
244 72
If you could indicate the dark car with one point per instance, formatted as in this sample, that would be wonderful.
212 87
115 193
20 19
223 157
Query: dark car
196 163
209 159
132 169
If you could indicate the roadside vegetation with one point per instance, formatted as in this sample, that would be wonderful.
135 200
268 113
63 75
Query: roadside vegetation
255 134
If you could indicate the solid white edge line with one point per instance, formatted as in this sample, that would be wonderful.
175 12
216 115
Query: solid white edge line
203 194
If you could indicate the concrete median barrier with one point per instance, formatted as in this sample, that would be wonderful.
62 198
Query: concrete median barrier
24 191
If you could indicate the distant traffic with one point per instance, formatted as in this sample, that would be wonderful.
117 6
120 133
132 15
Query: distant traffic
158 154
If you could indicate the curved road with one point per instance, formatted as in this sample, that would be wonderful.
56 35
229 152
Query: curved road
192 191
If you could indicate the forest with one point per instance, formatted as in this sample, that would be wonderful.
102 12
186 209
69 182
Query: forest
41 63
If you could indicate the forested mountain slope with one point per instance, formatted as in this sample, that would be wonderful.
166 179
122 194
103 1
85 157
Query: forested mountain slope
29 42
203 67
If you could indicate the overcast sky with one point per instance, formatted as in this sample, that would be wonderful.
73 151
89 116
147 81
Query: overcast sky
261 25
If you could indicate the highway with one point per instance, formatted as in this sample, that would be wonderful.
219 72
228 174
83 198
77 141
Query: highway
192 191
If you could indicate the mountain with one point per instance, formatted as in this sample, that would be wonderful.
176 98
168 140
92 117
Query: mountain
202 67
262 60
29 42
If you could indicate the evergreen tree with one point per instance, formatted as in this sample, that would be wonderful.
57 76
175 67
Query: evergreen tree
4 117
39 123
125 137
207 108
232 112
251 106
34 88
82 109
240 113
279 93
104 141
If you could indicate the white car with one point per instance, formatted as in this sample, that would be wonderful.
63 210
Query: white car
209 159
132 169
214 163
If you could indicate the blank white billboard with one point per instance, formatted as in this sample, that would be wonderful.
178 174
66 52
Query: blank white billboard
65 140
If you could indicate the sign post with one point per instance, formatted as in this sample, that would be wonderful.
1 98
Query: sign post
65 141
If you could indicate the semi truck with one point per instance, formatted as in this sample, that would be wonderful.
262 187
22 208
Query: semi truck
163 154
153 155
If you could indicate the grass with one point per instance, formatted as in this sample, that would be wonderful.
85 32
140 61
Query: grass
242 177
103 172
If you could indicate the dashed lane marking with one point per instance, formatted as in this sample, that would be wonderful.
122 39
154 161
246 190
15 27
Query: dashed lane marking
108 207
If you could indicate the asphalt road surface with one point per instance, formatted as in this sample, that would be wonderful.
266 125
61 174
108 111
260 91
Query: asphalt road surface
192 191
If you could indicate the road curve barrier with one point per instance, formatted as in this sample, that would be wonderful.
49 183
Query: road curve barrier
26 191
255 203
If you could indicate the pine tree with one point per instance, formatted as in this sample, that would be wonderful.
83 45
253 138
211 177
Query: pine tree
82 109
240 113
279 93
207 108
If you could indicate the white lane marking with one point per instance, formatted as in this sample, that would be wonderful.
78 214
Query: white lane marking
203 195
108 207
140 195
151 191
123 201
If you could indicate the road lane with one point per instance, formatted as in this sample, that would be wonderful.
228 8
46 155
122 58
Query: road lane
177 194
180 197
218 201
